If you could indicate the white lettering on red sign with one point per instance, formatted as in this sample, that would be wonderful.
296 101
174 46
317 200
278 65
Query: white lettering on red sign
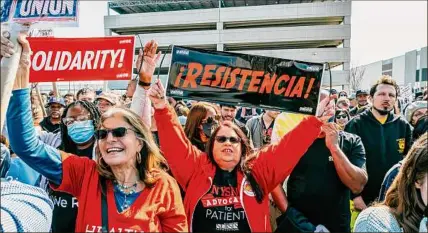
82 60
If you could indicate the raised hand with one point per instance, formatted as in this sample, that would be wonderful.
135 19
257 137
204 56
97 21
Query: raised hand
157 95
331 135
326 108
23 73
150 58
7 48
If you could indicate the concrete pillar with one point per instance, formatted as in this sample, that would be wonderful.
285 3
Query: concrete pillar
347 20
107 32
220 47
346 43
220 25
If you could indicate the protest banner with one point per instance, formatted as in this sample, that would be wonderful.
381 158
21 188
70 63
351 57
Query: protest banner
406 93
246 80
58 12
81 59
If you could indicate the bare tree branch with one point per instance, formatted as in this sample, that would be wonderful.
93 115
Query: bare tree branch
355 77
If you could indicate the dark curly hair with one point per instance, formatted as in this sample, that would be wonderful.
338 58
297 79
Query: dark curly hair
67 144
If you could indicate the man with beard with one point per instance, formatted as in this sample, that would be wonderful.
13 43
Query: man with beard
362 100
228 113
55 107
386 137
68 98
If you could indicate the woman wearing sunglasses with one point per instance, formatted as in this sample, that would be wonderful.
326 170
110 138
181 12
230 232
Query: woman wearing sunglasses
342 117
227 188
129 172
406 200
200 122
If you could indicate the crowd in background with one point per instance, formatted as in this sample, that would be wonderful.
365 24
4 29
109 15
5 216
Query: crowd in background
183 165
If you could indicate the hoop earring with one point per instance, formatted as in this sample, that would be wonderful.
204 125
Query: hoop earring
138 157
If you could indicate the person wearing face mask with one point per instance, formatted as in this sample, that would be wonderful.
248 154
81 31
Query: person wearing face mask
406 202
129 171
77 129
386 137
200 122
227 187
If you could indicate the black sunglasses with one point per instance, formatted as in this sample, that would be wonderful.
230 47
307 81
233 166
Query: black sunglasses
223 139
117 132
341 116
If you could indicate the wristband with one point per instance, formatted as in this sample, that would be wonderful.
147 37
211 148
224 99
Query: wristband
144 84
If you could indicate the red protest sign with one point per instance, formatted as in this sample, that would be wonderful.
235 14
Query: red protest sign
81 59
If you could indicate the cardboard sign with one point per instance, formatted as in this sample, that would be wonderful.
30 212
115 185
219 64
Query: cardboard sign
59 12
406 92
45 32
247 80
81 59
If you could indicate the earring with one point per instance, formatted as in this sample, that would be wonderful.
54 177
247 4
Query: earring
138 157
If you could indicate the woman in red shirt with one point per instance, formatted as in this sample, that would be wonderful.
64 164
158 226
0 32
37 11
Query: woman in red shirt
226 189
126 190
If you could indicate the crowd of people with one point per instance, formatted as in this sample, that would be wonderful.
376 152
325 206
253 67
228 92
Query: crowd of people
145 162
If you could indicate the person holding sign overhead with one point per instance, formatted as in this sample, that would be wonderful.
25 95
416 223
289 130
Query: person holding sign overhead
227 188
127 188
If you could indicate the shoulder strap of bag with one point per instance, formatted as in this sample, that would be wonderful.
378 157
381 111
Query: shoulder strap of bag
104 206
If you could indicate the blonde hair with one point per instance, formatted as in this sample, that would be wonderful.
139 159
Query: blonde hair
151 160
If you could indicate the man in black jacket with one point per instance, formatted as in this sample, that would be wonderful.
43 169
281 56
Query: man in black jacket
331 170
386 137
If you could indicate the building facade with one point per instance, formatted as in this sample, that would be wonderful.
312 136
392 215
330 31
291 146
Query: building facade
409 68
307 30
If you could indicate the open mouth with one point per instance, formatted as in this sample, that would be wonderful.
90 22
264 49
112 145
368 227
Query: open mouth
114 149
227 150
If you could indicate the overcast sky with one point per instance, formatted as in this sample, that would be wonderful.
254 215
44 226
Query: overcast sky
380 29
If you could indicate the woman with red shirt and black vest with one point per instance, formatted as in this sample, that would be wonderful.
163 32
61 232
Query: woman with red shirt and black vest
226 189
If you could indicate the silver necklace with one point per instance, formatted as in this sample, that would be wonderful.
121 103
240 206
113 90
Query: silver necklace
126 190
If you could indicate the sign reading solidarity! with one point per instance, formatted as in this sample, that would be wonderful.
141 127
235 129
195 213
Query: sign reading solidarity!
247 80
81 59
63 12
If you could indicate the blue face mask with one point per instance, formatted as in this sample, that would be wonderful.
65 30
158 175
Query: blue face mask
81 131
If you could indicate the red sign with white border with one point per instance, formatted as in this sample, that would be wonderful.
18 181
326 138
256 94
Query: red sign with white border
81 59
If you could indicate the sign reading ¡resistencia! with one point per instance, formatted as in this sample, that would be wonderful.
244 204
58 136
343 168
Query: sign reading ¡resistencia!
247 80
81 59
